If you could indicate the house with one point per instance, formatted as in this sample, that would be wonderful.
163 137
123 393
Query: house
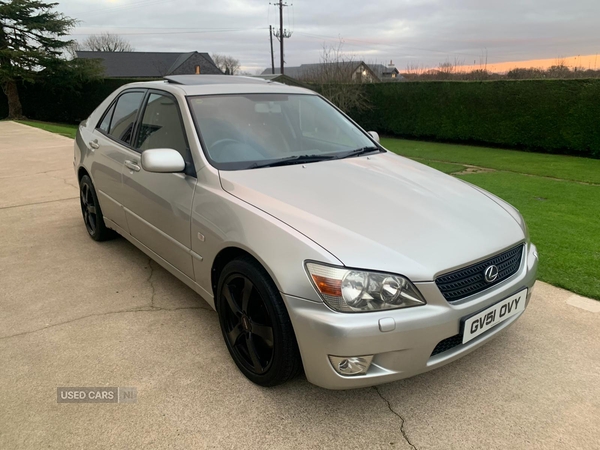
152 64
387 73
344 71
356 71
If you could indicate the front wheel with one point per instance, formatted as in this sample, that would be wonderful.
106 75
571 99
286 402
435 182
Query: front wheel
255 324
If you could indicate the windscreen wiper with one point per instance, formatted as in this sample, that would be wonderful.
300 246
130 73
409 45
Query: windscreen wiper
297 159
360 151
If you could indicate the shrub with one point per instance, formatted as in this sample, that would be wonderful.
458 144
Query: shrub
554 116
53 102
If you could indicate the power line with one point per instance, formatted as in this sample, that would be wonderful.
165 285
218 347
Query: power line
191 31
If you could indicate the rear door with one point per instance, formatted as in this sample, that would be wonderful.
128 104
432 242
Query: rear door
111 143
158 205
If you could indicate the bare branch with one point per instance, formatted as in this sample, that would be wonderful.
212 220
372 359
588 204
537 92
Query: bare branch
228 64
340 78
105 42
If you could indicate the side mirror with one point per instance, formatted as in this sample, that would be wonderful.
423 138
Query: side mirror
162 160
374 135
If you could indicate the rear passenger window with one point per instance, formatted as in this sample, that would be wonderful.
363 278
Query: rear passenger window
161 126
123 118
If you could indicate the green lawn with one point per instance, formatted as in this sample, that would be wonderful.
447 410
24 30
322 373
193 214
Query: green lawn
441 166
543 164
563 216
60 128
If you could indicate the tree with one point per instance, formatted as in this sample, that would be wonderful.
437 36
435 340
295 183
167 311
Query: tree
337 79
30 43
228 64
105 42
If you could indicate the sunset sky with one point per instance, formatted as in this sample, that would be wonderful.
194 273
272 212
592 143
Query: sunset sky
579 61
512 33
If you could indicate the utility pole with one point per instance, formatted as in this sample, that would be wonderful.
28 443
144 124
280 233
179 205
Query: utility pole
272 56
281 34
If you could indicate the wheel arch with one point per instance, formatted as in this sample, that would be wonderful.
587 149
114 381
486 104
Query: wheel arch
81 172
228 254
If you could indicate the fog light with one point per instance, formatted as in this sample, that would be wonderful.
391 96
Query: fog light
351 365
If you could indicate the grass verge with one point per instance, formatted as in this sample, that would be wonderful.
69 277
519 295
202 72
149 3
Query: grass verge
63 129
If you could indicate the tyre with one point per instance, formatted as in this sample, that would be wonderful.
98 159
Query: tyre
255 324
92 214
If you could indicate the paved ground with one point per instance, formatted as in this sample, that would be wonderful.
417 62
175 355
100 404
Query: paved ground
77 313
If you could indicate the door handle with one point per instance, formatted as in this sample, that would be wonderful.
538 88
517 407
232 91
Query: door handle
132 165
94 145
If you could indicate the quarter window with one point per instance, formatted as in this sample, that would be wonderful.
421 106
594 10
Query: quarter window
124 115
105 124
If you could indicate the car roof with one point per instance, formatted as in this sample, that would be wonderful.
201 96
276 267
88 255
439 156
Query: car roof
221 84
195 80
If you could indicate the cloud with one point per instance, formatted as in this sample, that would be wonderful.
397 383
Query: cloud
424 32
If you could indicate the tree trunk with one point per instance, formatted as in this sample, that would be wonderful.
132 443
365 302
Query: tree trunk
15 110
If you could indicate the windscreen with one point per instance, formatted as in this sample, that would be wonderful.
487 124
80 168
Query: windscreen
249 130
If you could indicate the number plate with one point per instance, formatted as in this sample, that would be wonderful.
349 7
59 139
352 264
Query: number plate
492 316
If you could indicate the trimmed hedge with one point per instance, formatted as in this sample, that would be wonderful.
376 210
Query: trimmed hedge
47 102
554 116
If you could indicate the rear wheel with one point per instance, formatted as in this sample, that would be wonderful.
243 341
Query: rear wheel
255 324
92 214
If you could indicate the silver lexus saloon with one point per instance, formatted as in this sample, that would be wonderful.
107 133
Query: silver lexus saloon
319 249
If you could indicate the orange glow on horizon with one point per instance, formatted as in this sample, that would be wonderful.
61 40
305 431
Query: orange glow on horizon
583 61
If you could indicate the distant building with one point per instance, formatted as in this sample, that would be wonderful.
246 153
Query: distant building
387 73
357 71
152 64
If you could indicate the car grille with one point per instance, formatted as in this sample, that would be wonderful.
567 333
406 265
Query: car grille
447 344
470 280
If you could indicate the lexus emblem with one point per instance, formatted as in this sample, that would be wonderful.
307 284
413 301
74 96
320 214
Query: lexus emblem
491 273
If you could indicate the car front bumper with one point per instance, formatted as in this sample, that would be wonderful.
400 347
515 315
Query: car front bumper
406 350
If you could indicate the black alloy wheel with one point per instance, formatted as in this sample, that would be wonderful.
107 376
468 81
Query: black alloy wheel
247 323
90 209
255 324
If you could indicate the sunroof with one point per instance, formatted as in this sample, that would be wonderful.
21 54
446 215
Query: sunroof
212 79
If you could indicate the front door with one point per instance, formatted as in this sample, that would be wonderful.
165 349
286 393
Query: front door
158 205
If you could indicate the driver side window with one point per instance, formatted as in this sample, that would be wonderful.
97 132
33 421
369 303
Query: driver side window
161 126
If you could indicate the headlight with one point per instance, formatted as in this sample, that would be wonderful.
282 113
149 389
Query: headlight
350 290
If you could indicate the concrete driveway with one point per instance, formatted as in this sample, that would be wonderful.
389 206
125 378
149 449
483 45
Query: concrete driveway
74 312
